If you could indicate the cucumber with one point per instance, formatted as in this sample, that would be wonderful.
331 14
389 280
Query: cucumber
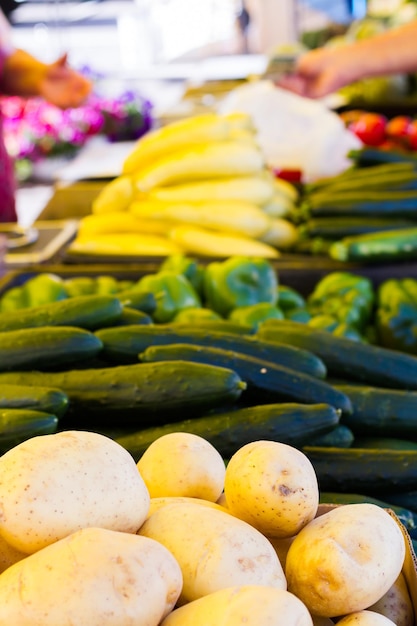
264 378
124 344
340 437
45 399
17 425
290 423
219 326
140 394
368 156
46 347
335 227
407 500
390 245
89 312
406 516
385 443
132 316
380 171
398 176
144 301
363 470
344 359
380 412
366 203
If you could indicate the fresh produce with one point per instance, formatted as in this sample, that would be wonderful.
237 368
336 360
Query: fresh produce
396 315
68 474
254 605
373 550
239 281
395 604
232 542
89 576
273 487
17 425
366 618
199 467
398 245
291 423
45 399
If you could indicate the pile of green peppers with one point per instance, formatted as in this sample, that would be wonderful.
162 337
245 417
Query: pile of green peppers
396 314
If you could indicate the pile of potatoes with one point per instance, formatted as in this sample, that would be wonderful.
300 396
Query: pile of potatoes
90 538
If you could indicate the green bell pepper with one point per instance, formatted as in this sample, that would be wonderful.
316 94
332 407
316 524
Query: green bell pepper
190 268
396 314
173 292
239 281
254 314
289 298
332 325
40 289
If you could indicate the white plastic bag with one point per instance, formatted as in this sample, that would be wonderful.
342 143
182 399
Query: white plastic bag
294 132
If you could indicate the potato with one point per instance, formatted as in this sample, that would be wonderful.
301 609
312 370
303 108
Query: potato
346 559
199 467
273 487
250 605
93 577
53 485
396 604
158 503
365 618
214 549
8 555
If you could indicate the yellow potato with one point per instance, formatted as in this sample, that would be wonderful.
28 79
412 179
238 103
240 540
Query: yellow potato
158 503
249 605
214 549
53 485
366 618
9 555
396 604
273 487
346 559
182 464
94 577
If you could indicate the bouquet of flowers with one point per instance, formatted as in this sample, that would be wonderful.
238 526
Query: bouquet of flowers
35 130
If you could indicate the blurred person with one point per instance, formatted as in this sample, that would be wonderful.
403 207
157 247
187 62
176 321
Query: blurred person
23 75
323 71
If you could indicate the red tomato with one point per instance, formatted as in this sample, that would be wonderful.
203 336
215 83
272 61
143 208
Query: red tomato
370 128
412 134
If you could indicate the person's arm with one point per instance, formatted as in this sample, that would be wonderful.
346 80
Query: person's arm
323 71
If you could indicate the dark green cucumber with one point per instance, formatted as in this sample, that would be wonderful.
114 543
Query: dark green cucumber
385 443
340 437
363 470
355 203
44 399
289 423
368 156
141 394
403 177
17 425
380 412
363 362
132 316
219 326
335 227
46 347
141 301
89 312
261 376
125 343
406 516
390 245
407 499
354 175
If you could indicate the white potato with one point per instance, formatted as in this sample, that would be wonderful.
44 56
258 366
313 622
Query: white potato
158 503
252 605
182 464
94 577
396 604
346 559
53 485
366 618
214 549
9 555
273 487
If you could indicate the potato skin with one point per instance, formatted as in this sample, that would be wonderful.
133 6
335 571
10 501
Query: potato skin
366 618
345 560
273 487
199 467
94 577
250 605
53 485
214 549
396 604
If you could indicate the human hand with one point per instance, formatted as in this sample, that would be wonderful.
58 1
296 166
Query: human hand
63 86
320 72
